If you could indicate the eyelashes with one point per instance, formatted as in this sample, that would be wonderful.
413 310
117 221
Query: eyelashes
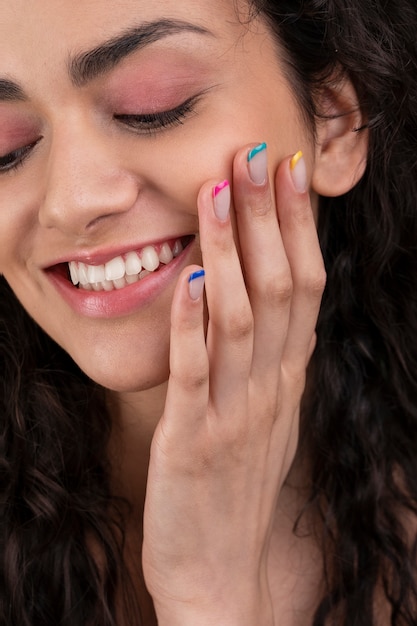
149 123
14 159
142 124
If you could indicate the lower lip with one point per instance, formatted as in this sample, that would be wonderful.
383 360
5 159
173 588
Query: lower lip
120 302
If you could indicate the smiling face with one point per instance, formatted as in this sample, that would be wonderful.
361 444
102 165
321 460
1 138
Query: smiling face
112 115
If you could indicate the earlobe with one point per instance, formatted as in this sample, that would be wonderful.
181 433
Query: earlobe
341 143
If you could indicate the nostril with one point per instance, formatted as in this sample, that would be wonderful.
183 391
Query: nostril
97 221
84 189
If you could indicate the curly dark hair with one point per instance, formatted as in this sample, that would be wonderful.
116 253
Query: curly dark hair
360 413
55 499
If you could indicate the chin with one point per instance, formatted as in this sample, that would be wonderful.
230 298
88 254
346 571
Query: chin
126 374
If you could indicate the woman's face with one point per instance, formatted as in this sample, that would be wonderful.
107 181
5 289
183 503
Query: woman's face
112 115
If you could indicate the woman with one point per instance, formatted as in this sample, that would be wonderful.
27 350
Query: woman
155 467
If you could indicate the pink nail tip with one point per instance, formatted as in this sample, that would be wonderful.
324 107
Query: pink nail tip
218 188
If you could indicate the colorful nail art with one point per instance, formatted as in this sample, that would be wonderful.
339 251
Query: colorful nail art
196 284
221 200
298 172
257 164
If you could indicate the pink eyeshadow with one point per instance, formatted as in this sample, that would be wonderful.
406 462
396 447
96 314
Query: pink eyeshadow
154 85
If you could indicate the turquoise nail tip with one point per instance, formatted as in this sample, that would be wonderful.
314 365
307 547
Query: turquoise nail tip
256 150
195 275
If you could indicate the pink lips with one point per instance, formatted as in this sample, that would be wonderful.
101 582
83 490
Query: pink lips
121 302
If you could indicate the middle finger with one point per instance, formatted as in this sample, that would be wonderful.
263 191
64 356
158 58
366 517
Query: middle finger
266 267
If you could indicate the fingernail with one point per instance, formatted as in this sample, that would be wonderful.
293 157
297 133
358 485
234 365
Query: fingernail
257 164
221 200
298 172
196 284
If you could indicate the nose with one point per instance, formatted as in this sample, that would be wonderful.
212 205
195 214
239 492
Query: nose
85 181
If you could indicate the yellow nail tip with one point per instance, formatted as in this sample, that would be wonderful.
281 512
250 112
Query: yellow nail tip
297 156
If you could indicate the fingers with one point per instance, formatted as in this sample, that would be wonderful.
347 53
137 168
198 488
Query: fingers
262 301
266 268
187 394
299 235
230 328
282 260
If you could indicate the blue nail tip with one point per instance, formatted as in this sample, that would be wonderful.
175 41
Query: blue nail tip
256 150
194 275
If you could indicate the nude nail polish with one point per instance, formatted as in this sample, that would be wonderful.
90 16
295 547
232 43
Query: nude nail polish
298 172
257 164
196 284
221 200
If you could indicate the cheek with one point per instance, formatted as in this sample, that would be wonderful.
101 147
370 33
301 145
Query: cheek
178 167
15 234
19 205
206 145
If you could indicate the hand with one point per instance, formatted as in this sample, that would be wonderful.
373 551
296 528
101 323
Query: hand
229 432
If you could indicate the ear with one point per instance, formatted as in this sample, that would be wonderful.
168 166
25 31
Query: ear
341 148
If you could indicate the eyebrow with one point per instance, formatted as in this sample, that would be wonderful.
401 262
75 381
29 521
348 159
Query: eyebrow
86 66
89 65
10 91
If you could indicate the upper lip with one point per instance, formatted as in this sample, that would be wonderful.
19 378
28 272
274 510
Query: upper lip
100 256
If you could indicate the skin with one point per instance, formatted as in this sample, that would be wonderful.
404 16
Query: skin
207 389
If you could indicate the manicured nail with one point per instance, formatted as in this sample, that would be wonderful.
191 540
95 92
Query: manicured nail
298 172
221 200
257 164
196 284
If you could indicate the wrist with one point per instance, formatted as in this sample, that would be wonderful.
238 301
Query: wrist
213 618
221 611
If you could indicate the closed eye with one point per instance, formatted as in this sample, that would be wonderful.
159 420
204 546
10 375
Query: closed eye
13 159
150 123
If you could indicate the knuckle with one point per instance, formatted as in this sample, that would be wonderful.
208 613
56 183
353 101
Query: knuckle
190 379
281 293
295 377
239 327
315 283
278 291
222 245
301 214
186 324
262 206
211 453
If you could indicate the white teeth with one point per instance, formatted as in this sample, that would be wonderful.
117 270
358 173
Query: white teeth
119 283
73 273
95 273
122 271
133 263
82 274
131 278
115 269
177 248
165 255
107 285
150 258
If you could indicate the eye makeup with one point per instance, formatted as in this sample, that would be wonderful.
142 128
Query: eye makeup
18 135
159 83
14 129
149 93
159 120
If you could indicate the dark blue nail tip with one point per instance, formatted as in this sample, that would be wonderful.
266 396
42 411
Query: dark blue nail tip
194 275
